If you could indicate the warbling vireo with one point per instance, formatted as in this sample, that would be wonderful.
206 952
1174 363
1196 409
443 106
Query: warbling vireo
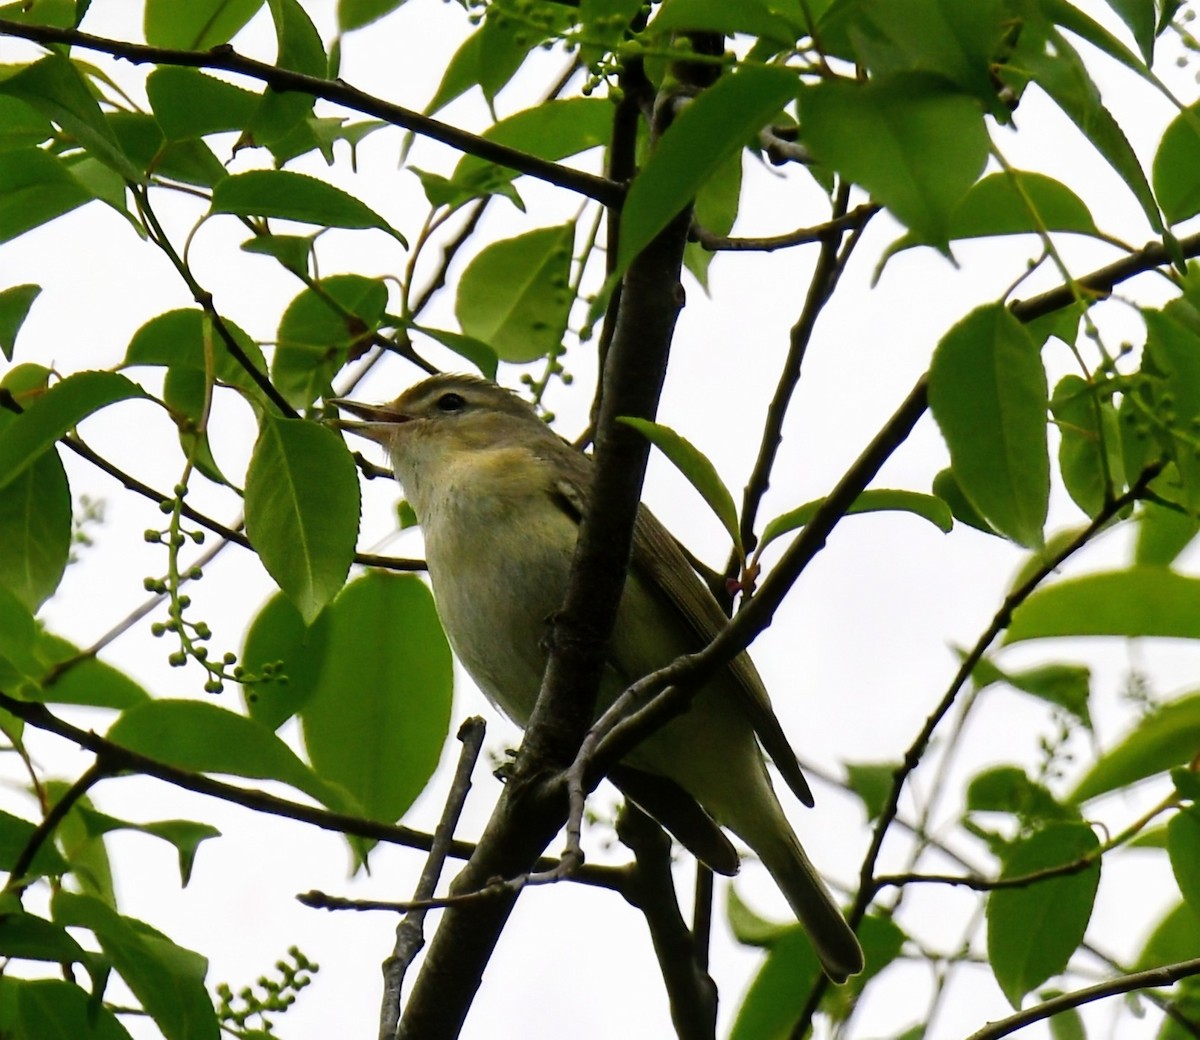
499 497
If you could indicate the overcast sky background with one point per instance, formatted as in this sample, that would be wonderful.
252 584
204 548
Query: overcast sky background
854 661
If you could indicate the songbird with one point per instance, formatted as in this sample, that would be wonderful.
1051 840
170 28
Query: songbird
499 497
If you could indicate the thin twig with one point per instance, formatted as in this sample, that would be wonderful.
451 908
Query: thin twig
410 935
1163 976
801 236
57 813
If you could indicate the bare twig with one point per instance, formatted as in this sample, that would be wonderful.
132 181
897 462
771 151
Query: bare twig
801 236
1163 976
410 936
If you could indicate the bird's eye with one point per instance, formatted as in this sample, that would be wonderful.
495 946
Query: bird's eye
450 403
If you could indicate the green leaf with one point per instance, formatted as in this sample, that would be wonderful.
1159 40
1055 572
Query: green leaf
278 635
713 126
293 251
750 928
932 508
167 979
555 130
1172 343
1139 601
715 210
192 162
1174 172
1066 686
696 467
987 391
914 145
1034 929
21 125
35 187
198 735
958 43
946 487
27 937
1169 736
1183 845
55 88
35 527
55 412
295 196
1140 17
185 835
750 17
473 350
780 989
14 308
299 50
354 14
1018 202
1176 938
18 634
1008 789
51 1009
321 330
197 25
87 855
1089 450
302 506
515 294
59 13
873 783
1051 62
380 714
185 338
1162 534
15 835
188 103
90 681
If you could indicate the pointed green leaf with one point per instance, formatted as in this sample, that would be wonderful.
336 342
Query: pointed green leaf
51 1009
27 937
1057 68
321 330
279 636
912 143
555 130
695 465
15 835
90 681
185 835
1169 736
515 295
167 979
713 126
1139 601
1089 448
930 507
14 307
1009 789
354 14
295 196
1163 534
50 416
1034 929
35 527
300 50
1176 169
1183 845
188 103
380 714
302 507
1018 202
873 783
35 187
198 735
1067 686
197 25
55 88
87 855
473 350
946 487
987 390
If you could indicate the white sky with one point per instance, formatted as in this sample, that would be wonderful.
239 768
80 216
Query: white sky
855 660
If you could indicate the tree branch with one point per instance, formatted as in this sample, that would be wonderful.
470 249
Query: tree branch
337 91
1163 976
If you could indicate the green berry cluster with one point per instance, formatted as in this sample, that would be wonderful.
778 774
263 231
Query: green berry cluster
273 996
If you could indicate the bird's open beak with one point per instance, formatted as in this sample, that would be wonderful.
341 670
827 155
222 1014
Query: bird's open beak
378 419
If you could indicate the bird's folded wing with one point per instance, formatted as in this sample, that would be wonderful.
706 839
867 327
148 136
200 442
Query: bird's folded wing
657 556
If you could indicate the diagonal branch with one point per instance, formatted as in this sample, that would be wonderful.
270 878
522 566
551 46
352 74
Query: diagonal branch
337 91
